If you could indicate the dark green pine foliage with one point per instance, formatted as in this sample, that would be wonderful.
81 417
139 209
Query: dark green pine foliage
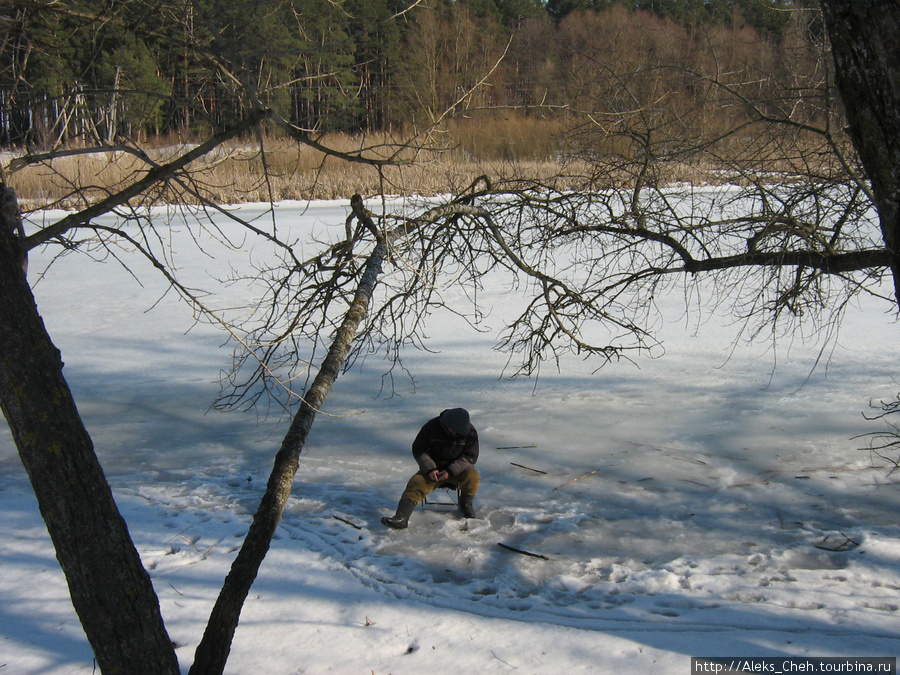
325 92
137 95
376 38
559 9
513 13
52 55
257 45
768 17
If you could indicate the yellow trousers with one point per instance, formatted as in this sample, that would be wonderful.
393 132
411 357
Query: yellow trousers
420 486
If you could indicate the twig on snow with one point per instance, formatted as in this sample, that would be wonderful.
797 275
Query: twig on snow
503 662
589 473
192 544
518 550
522 466
344 520
847 545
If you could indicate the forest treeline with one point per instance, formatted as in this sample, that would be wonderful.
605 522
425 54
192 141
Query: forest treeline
103 70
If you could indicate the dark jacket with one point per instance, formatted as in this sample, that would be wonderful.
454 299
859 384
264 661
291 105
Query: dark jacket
436 448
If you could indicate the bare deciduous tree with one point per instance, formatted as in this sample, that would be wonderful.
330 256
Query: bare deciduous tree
801 228
884 445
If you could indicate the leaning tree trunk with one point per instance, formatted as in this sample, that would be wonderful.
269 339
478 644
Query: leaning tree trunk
110 588
213 650
866 50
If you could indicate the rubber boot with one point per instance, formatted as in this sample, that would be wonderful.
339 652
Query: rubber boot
400 520
465 506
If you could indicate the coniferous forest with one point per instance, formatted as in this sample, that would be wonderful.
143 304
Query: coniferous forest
94 70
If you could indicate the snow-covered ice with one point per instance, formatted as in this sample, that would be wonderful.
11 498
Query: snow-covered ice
723 476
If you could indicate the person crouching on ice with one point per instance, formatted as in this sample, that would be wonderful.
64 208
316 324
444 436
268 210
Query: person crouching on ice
446 450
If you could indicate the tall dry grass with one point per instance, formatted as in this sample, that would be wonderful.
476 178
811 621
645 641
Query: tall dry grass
503 147
278 169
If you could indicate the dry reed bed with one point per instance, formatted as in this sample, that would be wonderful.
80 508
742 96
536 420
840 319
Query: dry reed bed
248 176
276 169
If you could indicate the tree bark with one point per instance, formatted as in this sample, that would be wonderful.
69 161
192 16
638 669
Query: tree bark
214 648
110 589
863 35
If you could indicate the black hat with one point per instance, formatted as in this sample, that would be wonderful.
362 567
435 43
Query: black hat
457 420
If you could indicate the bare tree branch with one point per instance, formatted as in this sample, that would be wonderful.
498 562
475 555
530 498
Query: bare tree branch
152 178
